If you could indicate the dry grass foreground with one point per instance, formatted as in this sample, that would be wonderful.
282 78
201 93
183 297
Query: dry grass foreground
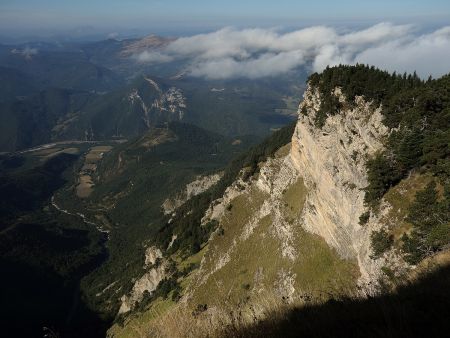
418 308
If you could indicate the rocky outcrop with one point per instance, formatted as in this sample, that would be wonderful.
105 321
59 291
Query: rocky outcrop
275 177
317 184
152 254
170 104
147 282
173 102
332 160
199 185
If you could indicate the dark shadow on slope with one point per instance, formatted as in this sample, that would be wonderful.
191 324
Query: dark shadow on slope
44 254
417 310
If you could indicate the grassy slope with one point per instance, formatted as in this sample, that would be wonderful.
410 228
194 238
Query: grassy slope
319 272
317 268
415 310
133 181
400 198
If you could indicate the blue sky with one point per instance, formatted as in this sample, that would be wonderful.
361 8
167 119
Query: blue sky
178 16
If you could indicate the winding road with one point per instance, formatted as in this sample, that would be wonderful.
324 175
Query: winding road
79 214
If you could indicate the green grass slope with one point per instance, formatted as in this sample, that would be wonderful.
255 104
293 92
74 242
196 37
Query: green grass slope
131 184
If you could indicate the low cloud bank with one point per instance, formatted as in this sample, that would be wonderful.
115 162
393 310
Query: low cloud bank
255 53
26 52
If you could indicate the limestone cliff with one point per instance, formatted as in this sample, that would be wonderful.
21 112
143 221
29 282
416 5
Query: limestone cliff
148 282
260 249
199 185
318 186
331 161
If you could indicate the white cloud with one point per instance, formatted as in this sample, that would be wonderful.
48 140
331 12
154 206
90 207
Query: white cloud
153 57
329 55
428 54
375 34
27 52
268 64
254 53
308 39
113 35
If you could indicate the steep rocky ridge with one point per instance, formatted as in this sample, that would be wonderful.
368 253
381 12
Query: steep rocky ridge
128 112
331 161
260 238
298 226
199 185
322 179
291 231
148 282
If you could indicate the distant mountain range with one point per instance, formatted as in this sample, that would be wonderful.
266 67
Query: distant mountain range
98 91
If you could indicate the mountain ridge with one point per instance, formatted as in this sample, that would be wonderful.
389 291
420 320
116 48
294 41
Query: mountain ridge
316 190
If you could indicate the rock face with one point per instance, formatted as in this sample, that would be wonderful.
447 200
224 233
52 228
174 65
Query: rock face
151 255
167 105
148 282
330 164
260 249
199 185
332 160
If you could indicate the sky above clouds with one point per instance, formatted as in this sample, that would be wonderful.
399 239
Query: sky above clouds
180 16
255 53
220 41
